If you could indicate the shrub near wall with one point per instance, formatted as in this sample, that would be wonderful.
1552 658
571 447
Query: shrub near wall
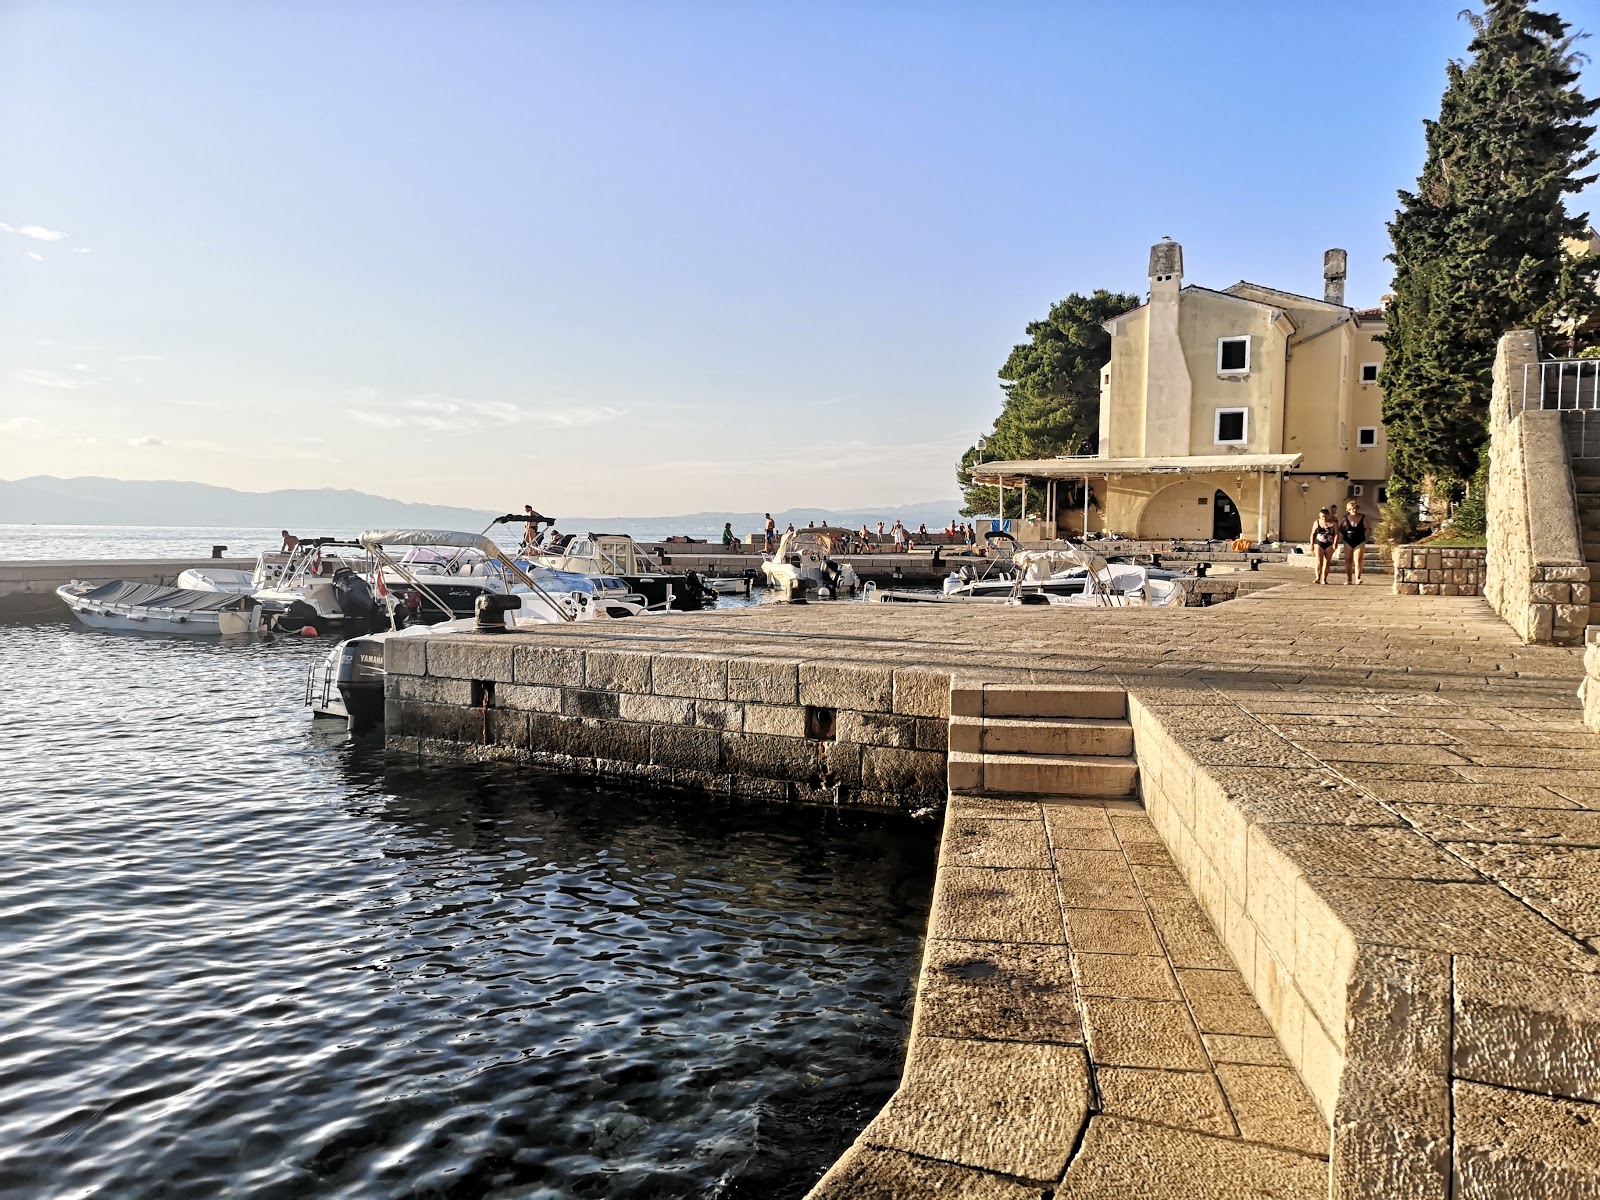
1439 571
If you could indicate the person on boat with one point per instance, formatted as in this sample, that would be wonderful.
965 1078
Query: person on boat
1323 536
770 529
791 528
1353 533
530 531
289 541
727 533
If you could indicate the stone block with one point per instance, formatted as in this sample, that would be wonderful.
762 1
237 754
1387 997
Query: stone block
933 734
964 771
699 676
405 656
989 904
871 1173
551 666
764 681
1272 1106
966 700
1549 593
1511 1145
1015 1108
1407 589
919 693
429 690
1143 1033
719 715
783 720
992 990
528 697
469 658
1029 700
771 757
908 772
877 729
1570 574
1541 622
685 749
608 670
1111 931
1120 1158
1428 589
1582 593
1178 1099
580 702
1449 589
1530 1028
838 686
655 710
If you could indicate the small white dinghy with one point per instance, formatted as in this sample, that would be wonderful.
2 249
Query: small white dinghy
154 608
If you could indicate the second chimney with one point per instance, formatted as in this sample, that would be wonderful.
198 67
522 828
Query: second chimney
1333 270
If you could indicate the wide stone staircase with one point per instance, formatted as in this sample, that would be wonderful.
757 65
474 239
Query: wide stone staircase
1080 1033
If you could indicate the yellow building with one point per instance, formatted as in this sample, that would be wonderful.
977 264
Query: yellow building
1240 411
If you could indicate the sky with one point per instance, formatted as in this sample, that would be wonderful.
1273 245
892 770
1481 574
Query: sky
643 258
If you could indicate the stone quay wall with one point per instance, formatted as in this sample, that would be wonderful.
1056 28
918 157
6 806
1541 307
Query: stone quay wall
1536 577
760 728
1442 571
1589 689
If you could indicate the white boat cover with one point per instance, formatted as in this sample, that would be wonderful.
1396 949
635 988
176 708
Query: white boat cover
123 594
430 537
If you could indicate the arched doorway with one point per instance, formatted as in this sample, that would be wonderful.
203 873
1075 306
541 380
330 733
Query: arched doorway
1225 522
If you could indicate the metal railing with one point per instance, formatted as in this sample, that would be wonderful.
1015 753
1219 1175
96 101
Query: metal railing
1570 386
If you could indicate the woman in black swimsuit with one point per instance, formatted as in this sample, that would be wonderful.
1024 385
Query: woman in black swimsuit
1323 536
1353 533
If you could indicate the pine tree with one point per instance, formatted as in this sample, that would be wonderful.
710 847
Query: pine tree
1478 245
1052 388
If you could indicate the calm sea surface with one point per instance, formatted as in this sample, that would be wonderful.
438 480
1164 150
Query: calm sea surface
241 956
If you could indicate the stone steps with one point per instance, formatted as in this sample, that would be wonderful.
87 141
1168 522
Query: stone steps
1029 740
1041 735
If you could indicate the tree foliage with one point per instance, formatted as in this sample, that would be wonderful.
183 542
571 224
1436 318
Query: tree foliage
1478 246
1052 392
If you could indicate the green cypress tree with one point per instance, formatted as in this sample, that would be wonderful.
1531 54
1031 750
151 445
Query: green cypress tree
1052 389
1478 245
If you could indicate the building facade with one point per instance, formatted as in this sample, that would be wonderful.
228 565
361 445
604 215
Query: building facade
1230 413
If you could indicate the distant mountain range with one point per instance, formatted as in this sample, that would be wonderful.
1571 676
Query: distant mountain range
46 500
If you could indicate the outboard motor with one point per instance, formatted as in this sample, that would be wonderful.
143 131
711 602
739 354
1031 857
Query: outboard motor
359 676
356 602
489 612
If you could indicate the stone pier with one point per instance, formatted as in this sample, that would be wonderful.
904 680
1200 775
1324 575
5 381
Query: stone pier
1360 828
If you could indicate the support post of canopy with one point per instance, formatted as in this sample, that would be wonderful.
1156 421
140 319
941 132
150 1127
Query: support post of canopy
1261 506
1085 506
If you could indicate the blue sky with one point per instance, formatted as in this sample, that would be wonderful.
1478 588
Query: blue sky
663 257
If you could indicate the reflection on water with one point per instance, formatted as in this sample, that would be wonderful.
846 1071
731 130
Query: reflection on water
243 958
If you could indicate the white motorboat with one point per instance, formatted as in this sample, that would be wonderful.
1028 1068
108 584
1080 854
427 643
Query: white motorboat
616 555
732 585
802 564
155 608
349 681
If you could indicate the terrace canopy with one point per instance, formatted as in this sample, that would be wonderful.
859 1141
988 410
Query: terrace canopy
1021 472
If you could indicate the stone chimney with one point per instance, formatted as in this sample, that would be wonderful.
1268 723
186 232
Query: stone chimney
1166 265
1333 271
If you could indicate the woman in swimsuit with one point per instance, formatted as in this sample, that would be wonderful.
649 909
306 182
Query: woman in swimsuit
1323 536
1353 533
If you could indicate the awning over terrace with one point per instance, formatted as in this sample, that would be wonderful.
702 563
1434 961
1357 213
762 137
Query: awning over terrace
1094 467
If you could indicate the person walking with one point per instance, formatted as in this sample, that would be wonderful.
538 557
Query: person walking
1324 534
1353 533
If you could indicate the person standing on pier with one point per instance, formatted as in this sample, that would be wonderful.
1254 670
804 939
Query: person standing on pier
770 533
1353 533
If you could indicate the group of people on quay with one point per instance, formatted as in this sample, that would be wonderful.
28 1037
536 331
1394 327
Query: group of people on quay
1331 532
864 540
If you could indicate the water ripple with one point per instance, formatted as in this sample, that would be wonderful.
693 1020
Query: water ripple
242 956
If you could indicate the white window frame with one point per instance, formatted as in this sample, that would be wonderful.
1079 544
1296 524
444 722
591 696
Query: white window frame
1364 429
1363 376
1216 427
1237 337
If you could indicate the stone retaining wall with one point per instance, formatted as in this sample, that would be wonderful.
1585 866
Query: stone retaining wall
1589 689
1536 577
1439 571
762 728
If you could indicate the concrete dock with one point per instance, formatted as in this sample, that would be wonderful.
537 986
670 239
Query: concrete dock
1294 896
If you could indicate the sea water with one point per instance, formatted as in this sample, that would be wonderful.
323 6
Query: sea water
246 955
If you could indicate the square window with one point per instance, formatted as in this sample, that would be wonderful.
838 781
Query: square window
1369 372
1367 435
1233 426
1383 495
1233 355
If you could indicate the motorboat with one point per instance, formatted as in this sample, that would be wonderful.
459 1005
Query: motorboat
128 607
348 681
802 565
313 584
1073 575
732 585
617 555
